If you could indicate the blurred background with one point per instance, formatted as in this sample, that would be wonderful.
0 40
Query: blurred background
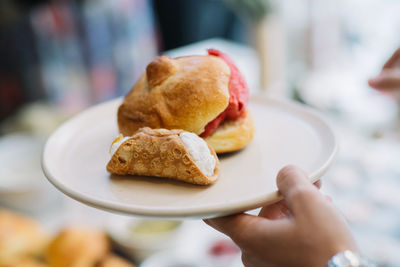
60 57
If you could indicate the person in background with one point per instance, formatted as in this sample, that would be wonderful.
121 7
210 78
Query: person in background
388 80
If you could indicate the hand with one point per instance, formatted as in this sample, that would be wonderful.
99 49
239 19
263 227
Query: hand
389 78
304 229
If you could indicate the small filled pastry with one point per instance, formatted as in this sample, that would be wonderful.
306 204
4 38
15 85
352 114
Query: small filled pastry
175 154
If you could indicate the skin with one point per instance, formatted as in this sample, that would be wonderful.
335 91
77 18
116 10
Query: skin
304 229
388 80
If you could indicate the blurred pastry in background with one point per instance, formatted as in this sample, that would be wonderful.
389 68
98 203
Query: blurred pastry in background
26 262
20 237
77 247
114 261
23 243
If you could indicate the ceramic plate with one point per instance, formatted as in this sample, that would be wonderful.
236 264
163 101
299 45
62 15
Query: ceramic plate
75 158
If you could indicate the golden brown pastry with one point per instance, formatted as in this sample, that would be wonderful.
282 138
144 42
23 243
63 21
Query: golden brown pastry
19 237
232 135
183 93
114 261
26 262
77 247
196 94
174 154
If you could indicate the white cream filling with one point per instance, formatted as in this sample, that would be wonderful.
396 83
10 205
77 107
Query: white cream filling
199 151
115 146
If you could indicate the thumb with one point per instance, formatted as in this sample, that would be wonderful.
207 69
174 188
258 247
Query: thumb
299 193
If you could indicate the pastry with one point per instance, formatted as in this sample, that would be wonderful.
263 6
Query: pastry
114 261
77 247
206 95
26 262
19 237
173 154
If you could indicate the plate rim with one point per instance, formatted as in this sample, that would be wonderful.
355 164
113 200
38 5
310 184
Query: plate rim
198 212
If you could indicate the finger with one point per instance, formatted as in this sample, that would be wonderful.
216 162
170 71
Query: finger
386 80
296 189
231 225
280 210
243 227
276 211
393 60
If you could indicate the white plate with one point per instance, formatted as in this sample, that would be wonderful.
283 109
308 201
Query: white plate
75 157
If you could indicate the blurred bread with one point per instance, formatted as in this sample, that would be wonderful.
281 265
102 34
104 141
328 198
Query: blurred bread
114 261
77 247
232 135
26 262
183 93
19 237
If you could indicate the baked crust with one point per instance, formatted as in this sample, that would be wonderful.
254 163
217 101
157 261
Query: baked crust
26 262
113 260
161 153
182 93
77 247
19 237
232 135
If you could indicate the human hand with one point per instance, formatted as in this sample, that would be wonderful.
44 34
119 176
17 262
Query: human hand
388 80
304 229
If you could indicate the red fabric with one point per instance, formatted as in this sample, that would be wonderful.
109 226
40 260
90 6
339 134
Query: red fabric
238 95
